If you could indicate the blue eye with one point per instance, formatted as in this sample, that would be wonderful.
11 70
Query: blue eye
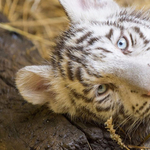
122 44
102 89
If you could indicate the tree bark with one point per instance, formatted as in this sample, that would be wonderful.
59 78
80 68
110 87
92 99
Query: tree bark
27 127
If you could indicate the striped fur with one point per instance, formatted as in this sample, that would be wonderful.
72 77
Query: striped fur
87 56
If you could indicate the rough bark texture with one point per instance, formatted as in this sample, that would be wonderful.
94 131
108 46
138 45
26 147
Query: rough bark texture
27 127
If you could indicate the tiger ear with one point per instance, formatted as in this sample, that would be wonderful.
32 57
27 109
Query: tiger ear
85 9
33 82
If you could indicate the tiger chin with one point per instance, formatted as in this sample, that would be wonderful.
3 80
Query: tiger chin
99 69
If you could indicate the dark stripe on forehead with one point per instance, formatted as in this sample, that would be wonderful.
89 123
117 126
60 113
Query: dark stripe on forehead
74 48
110 34
120 19
132 20
137 30
93 40
73 57
94 73
124 17
82 62
84 37
108 23
78 75
85 51
81 49
79 29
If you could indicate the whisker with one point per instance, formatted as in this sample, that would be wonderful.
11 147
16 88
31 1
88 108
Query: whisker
124 122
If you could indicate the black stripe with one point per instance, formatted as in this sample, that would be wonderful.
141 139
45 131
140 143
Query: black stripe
109 23
81 49
124 19
68 34
110 34
127 19
80 29
80 96
146 42
148 49
105 99
131 39
137 30
87 90
83 63
93 40
62 71
53 62
103 109
94 74
84 37
59 54
70 71
78 74
105 50
74 58
75 48
85 84
122 13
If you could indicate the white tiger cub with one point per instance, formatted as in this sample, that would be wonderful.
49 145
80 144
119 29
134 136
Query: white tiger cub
100 67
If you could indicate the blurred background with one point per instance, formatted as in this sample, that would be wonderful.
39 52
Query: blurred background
43 20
